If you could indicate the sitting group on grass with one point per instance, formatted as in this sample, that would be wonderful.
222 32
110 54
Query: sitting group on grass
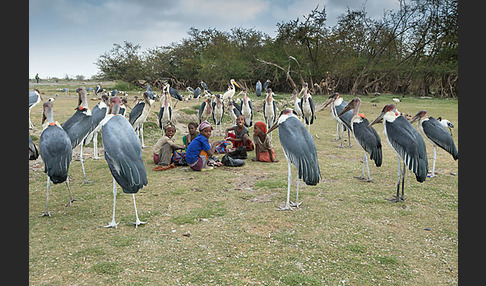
197 150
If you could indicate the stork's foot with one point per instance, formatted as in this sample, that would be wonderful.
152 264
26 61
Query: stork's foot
285 208
143 146
364 179
431 175
111 224
46 213
295 205
397 199
71 202
87 182
96 158
138 222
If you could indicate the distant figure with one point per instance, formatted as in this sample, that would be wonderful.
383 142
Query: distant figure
37 78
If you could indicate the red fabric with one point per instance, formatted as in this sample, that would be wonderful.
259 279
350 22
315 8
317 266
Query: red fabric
262 126
249 144
265 156
156 158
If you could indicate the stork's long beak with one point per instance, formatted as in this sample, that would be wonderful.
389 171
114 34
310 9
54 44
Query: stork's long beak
236 84
346 109
417 116
377 119
273 127
326 103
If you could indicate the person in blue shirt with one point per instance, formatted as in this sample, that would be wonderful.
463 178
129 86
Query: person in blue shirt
199 150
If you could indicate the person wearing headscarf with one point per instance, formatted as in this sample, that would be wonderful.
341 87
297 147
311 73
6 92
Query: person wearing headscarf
263 145
199 150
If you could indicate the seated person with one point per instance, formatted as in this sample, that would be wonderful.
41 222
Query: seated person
241 136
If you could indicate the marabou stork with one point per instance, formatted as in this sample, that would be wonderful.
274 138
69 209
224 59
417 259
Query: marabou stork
98 89
231 91
205 110
218 111
197 93
33 152
265 85
234 110
337 105
258 89
34 98
437 135
165 112
269 109
123 153
140 111
446 123
173 92
365 136
299 149
56 152
79 125
99 112
407 143
247 109
205 87
307 106
295 99
123 107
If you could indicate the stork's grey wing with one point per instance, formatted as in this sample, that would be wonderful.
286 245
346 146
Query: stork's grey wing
201 110
78 126
300 150
436 132
197 92
174 93
56 153
98 114
33 152
123 153
313 109
33 97
369 140
136 112
258 89
409 144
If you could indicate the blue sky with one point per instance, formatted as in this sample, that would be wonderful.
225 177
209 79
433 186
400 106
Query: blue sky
67 36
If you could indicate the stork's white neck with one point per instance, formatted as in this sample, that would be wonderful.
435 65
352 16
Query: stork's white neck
390 116
338 101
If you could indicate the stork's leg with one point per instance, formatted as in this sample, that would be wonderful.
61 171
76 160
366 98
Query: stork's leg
113 223
141 131
349 139
47 213
296 204
289 182
367 168
342 136
402 198
82 164
433 164
95 146
31 126
137 221
365 162
71 200
337 131
399 174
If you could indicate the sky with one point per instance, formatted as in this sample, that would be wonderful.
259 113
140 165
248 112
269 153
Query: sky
66 37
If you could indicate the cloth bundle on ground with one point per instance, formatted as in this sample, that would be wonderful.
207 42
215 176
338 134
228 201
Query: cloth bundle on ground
239 153
227 160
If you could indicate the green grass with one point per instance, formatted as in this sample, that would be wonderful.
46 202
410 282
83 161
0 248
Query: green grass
344 233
